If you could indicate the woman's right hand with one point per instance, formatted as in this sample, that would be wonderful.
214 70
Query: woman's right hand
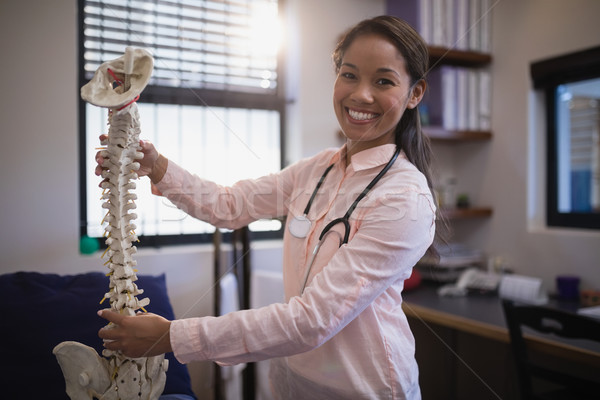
148 162
152 164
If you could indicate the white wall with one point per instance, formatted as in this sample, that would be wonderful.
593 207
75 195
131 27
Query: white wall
523 32
39 152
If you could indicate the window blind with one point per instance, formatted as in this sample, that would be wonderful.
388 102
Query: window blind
213 100
228 45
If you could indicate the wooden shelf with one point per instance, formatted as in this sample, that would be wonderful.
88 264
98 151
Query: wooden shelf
464 213
440 134
444 56
439 56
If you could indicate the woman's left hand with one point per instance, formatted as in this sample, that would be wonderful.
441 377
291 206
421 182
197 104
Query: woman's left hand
142 335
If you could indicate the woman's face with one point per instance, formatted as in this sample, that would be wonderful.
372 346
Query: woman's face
371 92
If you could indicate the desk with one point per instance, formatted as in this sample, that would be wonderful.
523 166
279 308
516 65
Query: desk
463 346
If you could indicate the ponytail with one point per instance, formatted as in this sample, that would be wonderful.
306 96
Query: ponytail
410 138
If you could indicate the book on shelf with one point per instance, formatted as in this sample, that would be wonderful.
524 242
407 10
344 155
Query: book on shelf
423 12
485 97
449 101
473 100
438 36
459 99
462 25
462 99
455 24
474 24
485 45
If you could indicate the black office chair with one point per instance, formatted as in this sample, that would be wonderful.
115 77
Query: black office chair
563 325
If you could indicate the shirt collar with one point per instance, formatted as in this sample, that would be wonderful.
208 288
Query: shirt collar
369 158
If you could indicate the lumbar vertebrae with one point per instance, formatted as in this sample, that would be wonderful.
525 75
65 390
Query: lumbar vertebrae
87 375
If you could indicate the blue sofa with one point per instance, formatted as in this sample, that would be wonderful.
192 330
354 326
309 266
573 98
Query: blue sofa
40 311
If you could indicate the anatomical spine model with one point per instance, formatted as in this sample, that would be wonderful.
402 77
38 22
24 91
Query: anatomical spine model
114 376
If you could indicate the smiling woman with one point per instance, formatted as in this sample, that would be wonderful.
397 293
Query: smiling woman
372 91
348 248
408 44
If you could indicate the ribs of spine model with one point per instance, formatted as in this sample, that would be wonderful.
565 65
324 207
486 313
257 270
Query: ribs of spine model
114 376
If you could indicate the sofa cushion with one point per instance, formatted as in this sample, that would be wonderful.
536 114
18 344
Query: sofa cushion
43 310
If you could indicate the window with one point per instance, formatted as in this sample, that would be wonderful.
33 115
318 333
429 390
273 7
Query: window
571 85
214 103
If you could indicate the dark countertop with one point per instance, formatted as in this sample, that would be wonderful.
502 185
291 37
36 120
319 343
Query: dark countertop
482 315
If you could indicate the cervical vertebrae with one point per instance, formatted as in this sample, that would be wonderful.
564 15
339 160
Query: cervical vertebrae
87 375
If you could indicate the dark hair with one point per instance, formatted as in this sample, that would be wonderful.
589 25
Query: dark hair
408 135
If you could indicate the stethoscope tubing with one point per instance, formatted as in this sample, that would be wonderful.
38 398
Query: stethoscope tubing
314 193
346 218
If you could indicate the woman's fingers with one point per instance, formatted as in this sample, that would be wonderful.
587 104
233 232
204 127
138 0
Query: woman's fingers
99 158
111 316
147 157
99 161
112 345
109 334
144 334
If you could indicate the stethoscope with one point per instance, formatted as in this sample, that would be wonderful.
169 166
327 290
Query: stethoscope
299 226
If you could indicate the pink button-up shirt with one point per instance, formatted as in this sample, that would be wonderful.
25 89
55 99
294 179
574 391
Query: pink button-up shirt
346 335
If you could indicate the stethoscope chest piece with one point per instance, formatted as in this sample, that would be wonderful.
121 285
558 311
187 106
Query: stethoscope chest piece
300 226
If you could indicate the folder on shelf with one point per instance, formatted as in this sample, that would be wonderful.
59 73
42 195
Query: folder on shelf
437 23
473 102
462 115
449 23
486 26
449 103
462 25
474 25
425 16
485 100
